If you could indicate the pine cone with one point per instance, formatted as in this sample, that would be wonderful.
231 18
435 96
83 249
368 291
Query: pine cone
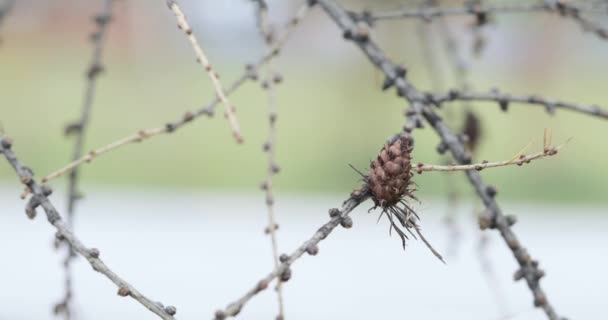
389 176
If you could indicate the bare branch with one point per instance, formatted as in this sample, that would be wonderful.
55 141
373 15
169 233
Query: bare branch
561 7
271 79
79 128
41 193
283 271
504 99
201 58
207 110
519 160
395 76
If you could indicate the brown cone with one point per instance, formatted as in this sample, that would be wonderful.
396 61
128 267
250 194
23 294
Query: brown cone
389 176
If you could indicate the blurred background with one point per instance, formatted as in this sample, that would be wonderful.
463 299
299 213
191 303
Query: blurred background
332 113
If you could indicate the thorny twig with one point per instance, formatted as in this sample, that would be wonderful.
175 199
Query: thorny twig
201 58
563 8
310 246
79 128
39 197
419 107
206 110
504 99
265 29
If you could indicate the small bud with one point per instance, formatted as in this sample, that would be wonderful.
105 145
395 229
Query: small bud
7 143
442 148
334 212
277 78
283 258
485 221
46 190
275 169
171 310
286 275
511 219
400 71
220 315
388 82
346 222
94 253
123 292
312 249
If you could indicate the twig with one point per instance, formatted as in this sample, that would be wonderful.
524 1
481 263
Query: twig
39 197
519 160
504 99
269 147
395 76
206 110
561 7
338 217
201 58
79 128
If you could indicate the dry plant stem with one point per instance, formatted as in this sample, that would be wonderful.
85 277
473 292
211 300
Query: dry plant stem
561 7
63 231
79 129
503 100
518 160
419 107
206 110
270 146
201 57
235 307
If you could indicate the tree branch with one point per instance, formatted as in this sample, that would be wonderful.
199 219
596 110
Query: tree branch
201 58
79 128
207 110
395 76
310 246
40 195
272 168
504 99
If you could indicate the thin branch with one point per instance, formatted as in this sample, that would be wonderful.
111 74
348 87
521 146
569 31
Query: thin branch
207 110
79 128
283 271
395 76
201 58
563 8
265 29
504 99
39 197
519 160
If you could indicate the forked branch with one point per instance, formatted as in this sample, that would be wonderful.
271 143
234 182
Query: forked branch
40 195
207 110
419 107
201 58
